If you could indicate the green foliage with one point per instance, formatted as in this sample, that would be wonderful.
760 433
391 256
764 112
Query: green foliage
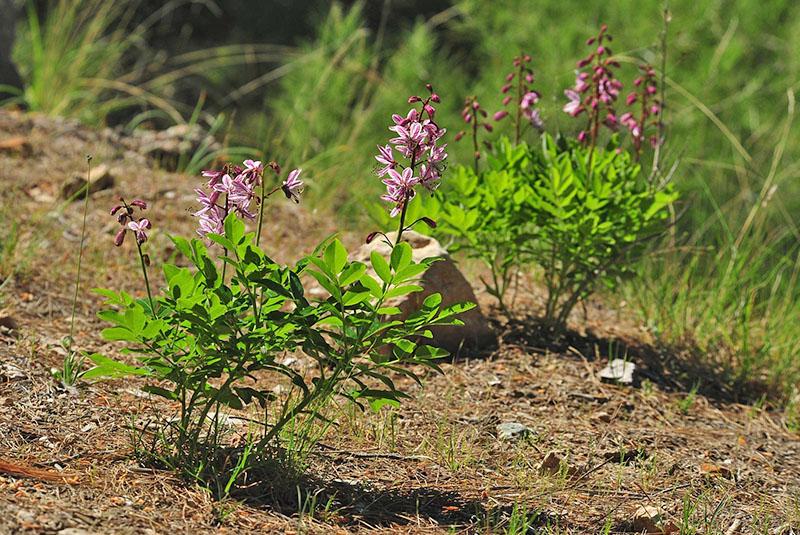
581 214
489 217
209 338
593 213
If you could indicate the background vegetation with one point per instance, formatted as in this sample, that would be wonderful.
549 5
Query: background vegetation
313 83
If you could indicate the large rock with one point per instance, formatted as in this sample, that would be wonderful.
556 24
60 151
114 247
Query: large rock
442 277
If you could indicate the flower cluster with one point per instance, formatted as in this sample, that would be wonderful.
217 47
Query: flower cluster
596 89
526 97
646 94
233 189
128 221
416 140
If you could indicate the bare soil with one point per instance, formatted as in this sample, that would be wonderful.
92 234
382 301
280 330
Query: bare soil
436 464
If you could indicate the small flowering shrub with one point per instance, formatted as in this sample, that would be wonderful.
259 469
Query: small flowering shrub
221 326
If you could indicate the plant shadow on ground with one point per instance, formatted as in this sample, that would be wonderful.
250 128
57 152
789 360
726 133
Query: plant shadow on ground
359 503
673 368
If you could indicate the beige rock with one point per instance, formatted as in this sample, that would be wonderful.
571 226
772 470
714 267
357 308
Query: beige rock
101 176
442 277
647 518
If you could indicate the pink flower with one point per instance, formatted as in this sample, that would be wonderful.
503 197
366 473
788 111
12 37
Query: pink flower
385 157
292 187
138 228
529 99
399 188
574 106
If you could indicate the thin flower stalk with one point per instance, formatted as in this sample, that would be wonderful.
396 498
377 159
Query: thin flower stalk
526 114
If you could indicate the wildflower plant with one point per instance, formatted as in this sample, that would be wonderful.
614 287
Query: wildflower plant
217 335
579 210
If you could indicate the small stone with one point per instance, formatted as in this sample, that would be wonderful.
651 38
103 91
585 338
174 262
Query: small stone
512 431
102 179
19 146
646 519
711 469
602 417
8 325
74 531
618 371
553 463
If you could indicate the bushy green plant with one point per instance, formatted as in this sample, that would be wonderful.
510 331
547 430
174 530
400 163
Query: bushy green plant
582 214
209 342
593 214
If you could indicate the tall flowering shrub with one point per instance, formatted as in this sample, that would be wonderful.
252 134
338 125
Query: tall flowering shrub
580 210
215 336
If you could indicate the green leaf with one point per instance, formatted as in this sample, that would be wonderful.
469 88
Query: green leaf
109 368
401 256
353 273
380 266
335 257
403 290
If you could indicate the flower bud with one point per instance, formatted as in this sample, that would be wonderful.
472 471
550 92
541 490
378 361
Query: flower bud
146 259
500 115
435 98
488 127
509 76
116 209
371 236
139 204
526 58
414 99
428 221
275 167
120 237
631 99
506 100
505 89
477 155
459 136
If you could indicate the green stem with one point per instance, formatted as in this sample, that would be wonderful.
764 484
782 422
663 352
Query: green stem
146 278
80 246
261 211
